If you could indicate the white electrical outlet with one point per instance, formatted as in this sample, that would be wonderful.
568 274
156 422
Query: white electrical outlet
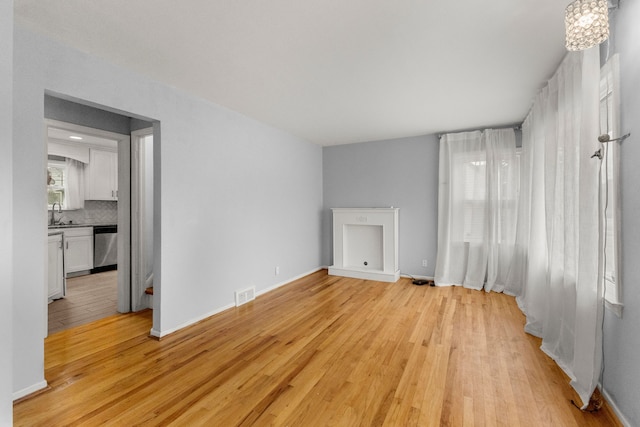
425 263
277 271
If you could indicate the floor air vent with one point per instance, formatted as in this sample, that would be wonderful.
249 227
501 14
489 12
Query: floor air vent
245 295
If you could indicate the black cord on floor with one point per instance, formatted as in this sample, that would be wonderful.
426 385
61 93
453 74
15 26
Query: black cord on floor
420 282
407 274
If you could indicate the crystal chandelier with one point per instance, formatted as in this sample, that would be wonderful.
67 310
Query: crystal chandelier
587 23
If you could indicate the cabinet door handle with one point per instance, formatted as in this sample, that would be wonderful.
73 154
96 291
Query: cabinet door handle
67 245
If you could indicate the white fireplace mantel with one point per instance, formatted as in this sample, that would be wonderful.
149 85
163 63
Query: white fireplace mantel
365 243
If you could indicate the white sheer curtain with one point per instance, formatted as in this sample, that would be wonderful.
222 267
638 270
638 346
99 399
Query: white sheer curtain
556 266
74 185
503 181
476 208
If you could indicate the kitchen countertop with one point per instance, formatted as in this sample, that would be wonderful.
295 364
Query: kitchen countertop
53 227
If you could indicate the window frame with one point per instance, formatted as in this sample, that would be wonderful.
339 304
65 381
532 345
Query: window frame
473 232
610 209
61 164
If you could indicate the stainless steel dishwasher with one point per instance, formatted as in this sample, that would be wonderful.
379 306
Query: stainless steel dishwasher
105 248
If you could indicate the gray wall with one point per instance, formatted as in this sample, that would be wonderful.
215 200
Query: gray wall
234 197
138 124
402 173
621 336
83 115
6 216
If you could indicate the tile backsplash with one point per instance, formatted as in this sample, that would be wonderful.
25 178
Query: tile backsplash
94 212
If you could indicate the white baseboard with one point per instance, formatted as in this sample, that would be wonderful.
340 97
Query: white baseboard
293 279
613 406
161 334
364 274
31 389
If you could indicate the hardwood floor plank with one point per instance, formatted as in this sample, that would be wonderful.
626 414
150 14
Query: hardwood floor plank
320 351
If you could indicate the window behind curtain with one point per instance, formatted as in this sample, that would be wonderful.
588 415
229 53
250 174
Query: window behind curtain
474 167
610 187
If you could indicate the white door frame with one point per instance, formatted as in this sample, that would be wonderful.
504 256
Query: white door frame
139 299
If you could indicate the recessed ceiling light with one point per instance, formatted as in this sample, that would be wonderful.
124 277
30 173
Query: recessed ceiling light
75 137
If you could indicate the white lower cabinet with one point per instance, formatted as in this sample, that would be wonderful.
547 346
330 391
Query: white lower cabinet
56 277
78 253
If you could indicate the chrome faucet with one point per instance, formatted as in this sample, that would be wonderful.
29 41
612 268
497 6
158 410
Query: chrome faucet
52 221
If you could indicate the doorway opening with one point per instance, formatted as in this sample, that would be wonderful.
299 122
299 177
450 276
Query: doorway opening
104 206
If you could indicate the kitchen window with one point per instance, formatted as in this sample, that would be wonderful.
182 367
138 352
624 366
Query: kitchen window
56 183
65 183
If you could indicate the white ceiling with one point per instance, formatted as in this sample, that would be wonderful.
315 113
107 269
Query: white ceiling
75 137
330 71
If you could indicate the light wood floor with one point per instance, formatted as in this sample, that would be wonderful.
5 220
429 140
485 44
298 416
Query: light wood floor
88 299
323 351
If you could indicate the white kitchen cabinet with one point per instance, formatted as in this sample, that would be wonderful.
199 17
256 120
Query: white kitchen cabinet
56 277
102 175
78 253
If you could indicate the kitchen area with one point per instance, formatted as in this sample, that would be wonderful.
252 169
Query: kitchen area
82 192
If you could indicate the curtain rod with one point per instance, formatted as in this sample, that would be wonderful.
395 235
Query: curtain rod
514 127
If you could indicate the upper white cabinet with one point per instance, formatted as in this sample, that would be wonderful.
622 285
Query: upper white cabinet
102 175
78 251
